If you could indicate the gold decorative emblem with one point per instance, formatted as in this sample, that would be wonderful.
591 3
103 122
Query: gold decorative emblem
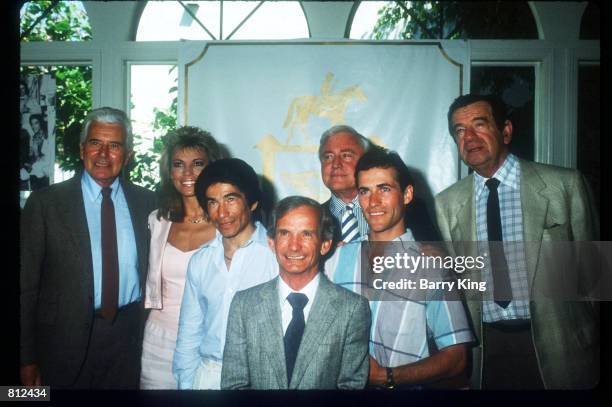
329 105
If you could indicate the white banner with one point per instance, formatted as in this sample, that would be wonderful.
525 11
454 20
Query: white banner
269 102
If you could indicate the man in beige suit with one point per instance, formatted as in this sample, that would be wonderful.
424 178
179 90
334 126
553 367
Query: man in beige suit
542 343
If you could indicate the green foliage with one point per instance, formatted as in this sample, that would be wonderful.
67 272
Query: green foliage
144 169
454 20
73 102
66 21
461 20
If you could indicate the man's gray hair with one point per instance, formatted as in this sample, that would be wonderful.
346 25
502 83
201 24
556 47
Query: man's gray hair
327 224
109 115
343 128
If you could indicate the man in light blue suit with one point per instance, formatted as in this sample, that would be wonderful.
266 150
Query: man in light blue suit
298 331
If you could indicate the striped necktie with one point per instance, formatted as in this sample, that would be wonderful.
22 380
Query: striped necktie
349 228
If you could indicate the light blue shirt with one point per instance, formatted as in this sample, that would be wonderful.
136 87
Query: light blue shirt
511 214
209 290
129 282
400 329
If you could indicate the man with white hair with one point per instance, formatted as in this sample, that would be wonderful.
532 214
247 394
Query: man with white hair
84 251
340 148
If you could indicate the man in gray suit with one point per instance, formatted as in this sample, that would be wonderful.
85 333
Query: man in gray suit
83 267
299 330
525 342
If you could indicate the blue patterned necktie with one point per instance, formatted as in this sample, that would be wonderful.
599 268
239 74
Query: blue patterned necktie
348 223
293 335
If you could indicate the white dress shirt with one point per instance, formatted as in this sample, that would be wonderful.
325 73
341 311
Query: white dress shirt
309 290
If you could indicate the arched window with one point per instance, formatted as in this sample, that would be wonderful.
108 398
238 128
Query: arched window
222 20
442 20
54 21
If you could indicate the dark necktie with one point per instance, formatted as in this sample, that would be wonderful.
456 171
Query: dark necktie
348 223
499 267
110 260
293 335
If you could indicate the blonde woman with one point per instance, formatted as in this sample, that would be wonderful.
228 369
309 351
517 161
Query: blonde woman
178 228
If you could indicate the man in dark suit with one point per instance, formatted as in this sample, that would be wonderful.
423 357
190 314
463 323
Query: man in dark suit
84 251
299 330
525 342
340 148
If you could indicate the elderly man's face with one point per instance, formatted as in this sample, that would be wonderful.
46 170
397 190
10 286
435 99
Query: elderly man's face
104 152
339 156
481 144
297 243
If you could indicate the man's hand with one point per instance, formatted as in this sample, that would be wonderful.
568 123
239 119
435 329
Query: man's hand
30 375
378 374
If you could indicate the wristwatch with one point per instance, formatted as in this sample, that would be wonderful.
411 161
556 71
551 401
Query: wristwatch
390 382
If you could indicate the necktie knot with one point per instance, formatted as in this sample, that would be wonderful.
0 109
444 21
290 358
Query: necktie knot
492 184
106 192
298 301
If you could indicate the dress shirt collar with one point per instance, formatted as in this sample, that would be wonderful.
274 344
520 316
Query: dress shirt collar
309 289
407 236
93 191
258 236
507 174
337 205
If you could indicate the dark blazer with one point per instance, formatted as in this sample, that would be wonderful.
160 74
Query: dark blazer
57 291
333 353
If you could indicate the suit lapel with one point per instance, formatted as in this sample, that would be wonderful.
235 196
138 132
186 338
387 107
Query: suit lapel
75 219
272 327
464 228
534 203
319 319
463 231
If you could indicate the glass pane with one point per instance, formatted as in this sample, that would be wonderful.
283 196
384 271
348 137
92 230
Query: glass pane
365 19
66 21
589 110
273 21
443 20
169 21
516 86
153 113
